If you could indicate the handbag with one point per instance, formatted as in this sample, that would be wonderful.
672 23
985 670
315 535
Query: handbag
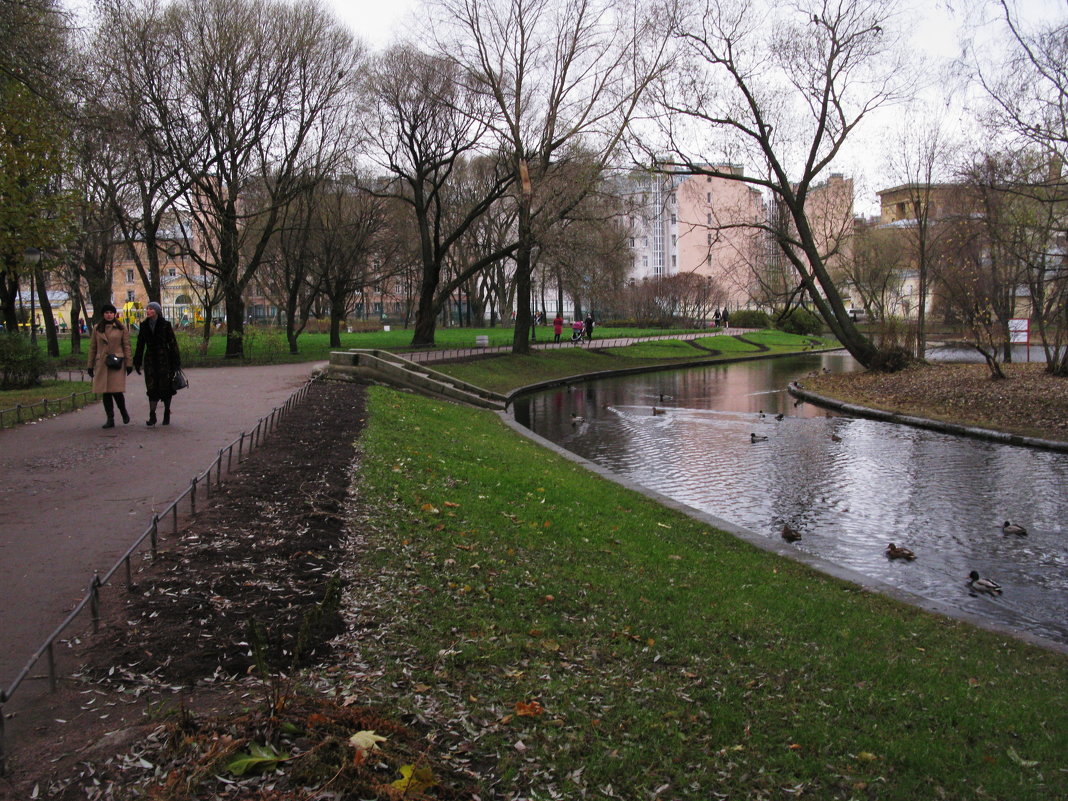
179 381
113 362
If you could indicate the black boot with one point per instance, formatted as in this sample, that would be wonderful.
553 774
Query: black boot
120 401
109 410
167 416
151 418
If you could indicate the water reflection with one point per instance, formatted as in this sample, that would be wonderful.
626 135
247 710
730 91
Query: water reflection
848 485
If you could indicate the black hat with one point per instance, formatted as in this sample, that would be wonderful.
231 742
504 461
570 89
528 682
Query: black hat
107 307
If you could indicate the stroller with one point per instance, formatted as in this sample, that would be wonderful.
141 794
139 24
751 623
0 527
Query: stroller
577 328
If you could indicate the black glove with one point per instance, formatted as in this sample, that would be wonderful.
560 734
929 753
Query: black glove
90 371
129 370
138 369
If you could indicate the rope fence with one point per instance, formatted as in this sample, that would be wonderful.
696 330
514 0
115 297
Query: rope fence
244 444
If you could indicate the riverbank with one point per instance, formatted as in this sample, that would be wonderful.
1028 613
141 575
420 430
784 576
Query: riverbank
521 628
1029 402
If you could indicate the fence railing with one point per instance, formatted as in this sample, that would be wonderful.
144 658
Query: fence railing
203 483
24 412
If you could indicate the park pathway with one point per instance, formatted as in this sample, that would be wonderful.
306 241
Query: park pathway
74 496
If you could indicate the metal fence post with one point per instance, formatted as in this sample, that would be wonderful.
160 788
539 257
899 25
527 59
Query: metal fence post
240 446
193 496
94 602
154 536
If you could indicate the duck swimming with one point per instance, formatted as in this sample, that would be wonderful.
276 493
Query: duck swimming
989 586
1013 528
757 438
898 552
790 534
657 411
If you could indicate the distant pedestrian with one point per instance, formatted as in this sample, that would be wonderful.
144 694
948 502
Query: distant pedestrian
716 319
157 352
558 327
109 363
726 320
589 326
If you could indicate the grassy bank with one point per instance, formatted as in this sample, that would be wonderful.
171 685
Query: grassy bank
568 638
507 372
46 400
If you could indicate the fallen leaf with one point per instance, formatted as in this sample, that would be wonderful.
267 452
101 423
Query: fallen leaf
1023 763
529 709
414 780
366 740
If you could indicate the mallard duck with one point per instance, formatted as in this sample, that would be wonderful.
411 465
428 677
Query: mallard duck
899 552
657 411
760 413
757 438
790 534
986 585
576 419
1013 528
835 438
779 417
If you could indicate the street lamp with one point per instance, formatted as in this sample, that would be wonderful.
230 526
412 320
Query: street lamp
32 256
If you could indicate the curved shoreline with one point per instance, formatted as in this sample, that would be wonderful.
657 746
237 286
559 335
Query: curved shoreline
797 390
771 545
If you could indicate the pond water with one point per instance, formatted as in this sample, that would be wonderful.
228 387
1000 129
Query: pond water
849 485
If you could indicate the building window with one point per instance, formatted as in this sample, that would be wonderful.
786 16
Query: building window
708 197
674 219
674 260
645 241
710 239
645 261
129 277
674 240
172 271
709 219
632 240
129 296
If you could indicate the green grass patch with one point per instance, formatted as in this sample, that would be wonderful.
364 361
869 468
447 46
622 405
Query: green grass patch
659 349
47 400
666 658
266 345
725 343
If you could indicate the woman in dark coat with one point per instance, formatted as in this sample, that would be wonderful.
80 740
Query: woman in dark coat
157 352
110 338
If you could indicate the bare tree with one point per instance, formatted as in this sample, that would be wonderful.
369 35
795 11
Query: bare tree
922 154
784 86
253 96
564 80
428 121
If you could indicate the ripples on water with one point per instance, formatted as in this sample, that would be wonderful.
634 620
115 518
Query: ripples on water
849 485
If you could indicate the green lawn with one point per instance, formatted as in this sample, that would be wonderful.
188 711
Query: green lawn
669 659
50 398
507 372
269 345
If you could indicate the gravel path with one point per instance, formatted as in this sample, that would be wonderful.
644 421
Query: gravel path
74 496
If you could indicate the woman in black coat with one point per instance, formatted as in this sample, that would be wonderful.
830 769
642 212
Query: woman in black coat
157 352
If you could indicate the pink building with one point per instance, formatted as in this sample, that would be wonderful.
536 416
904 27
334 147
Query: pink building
701 225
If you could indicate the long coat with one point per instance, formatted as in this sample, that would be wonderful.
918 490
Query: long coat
115 338
157 350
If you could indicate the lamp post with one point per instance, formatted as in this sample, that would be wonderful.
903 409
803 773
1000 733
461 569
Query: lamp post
32 256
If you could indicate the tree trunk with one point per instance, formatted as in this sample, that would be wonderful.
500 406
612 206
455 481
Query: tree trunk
235 323
426 311
337 317
75 315
9 290
51 336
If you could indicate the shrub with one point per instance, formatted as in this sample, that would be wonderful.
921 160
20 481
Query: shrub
21 362
749 318
892 359
801 322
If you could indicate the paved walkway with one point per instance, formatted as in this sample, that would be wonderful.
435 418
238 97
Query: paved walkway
75 496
